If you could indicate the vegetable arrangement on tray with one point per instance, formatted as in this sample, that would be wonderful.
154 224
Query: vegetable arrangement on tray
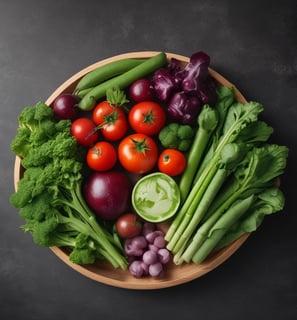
143 141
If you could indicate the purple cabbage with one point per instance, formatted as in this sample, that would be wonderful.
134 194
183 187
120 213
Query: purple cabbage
196 71
163 84
168 80
184 108
207 91
186 90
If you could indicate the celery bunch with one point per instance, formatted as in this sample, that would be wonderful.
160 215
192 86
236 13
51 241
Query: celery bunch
230 181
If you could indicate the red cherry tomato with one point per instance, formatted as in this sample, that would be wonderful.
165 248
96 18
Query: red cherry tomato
172 162
84 130
147 117
138 153
102 156
128 225
111 119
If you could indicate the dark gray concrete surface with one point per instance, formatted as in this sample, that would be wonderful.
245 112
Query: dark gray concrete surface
253 44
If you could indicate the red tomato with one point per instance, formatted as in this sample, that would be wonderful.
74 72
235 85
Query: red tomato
128 225
102 156
84 130
172 162
112 121
147 117
138 153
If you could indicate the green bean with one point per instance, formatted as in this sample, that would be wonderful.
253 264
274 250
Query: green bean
105 72
123 80
83 92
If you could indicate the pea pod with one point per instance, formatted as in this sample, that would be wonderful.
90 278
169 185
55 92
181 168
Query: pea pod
83 92
123 80
106 72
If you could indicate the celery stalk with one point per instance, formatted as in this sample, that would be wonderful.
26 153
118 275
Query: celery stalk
207 121
237 210
193 218
250 178
205 193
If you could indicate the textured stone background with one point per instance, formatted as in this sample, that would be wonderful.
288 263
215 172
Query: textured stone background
253 44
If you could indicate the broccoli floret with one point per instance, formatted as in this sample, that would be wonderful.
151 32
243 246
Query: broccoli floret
36 210
50 228
27 186
49 195
82 256
176 136
62 146
84 251
45 131
21 143
33 116
27 117
43 112
44 232
36 126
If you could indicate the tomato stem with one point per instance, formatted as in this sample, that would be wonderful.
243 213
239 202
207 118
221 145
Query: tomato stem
110 118
148 117
140 146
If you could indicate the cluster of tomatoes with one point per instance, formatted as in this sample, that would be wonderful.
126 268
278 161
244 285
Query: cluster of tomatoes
128 137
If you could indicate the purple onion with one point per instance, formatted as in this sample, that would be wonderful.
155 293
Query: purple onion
137 269
149 257
148 227
153 247
65 106
163 255
147 254
132 251
139 242
135 246
107 193
156 270
145 268
150 237
159 242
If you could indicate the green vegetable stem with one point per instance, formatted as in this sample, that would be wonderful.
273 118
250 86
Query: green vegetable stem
269 201
236 210
234 166
231 155
225 98
49 194
244 215
242 115
123 80
224 228
207 122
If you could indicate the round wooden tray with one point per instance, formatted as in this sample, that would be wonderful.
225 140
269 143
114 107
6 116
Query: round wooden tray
104 272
